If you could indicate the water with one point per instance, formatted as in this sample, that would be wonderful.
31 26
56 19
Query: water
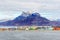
30 35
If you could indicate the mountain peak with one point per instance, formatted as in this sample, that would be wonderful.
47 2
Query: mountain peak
37 14
25 14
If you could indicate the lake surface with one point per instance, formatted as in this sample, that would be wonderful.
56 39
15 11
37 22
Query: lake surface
30 35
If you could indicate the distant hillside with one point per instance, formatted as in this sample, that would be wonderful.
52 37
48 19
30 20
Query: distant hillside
55 23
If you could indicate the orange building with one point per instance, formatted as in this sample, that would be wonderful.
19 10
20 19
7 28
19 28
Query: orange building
56 28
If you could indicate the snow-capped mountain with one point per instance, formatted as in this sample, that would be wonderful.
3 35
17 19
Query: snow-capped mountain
27 18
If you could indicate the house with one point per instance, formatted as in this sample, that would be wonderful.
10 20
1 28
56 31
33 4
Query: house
56 27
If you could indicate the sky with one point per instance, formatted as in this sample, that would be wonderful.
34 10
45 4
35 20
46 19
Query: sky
9 9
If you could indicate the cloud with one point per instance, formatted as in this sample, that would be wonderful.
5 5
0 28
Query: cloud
13 5
29 4
43 6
